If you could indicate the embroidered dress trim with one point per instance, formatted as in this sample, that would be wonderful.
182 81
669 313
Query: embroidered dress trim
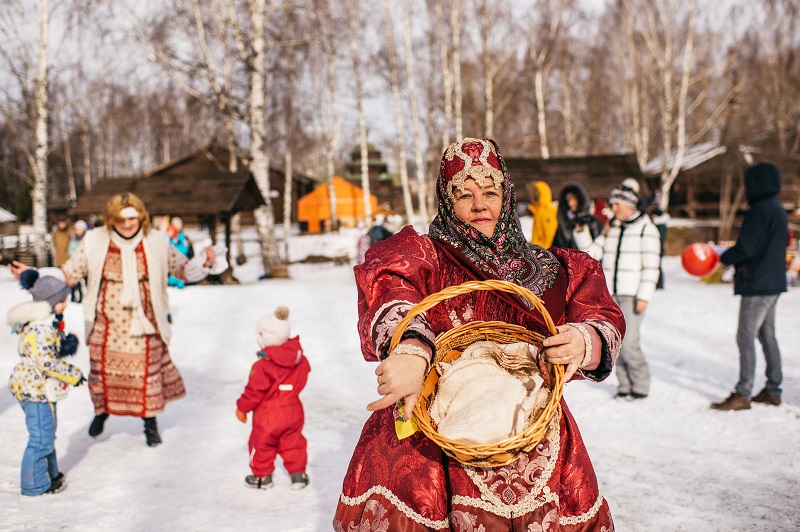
531 504
408 349
611 341
587 340
400 505
491 502
386 319
584 517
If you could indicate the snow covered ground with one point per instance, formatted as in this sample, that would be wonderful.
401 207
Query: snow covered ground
665 463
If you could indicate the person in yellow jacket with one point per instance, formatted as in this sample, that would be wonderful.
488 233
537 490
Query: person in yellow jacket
545 219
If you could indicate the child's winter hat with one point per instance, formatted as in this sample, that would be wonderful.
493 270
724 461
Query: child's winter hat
44 287
273 329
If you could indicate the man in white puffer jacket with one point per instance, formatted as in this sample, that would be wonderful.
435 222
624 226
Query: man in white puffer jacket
630 250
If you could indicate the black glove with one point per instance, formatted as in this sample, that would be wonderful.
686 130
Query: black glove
69 345
584 219
83 379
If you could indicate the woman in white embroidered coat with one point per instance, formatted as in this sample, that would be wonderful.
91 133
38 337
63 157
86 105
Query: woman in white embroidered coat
126 311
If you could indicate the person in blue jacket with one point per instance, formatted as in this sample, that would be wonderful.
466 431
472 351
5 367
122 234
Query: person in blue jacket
759 257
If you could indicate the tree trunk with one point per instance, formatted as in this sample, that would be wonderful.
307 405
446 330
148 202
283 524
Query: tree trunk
265 217
39 193
353 9
488 85
398 113
446 67
331 137
72 196
455 22
682 105
541 122
87 161
288 164
416 129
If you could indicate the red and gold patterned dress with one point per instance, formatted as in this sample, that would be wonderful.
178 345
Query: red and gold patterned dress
410 484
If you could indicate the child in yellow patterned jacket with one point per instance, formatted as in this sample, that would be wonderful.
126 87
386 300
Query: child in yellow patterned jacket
42 344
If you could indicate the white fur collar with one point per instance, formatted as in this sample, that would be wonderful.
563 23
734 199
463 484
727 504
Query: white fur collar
30 311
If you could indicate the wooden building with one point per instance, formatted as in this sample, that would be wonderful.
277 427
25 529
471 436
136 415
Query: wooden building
198 188
598 173
712 176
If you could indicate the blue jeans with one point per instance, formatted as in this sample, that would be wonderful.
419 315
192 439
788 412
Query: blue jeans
757 319
39 464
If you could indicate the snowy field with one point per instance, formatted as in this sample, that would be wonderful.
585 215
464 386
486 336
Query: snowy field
666 463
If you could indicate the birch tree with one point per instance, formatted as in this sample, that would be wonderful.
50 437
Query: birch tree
332 132
398 110
635 83
456 12
779 39
544 34
356 29
25 54
196 69
492 60
446 66
415 125
662 37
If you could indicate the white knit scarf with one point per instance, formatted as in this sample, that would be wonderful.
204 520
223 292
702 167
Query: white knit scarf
131 296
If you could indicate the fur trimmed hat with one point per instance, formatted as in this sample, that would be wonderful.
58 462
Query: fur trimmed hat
626 192
44 287
273 329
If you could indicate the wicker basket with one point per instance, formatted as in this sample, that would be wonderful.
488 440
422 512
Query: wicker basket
449 346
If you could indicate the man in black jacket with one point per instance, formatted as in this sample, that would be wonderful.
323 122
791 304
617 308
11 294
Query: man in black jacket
759 256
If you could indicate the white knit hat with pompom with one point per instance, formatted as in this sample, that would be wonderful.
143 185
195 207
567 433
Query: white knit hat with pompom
273 329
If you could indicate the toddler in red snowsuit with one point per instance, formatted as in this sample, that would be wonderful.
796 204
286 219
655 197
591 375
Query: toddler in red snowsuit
272 391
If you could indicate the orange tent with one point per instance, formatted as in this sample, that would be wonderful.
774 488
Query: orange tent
315 207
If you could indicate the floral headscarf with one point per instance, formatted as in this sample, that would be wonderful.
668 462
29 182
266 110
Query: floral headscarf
506 254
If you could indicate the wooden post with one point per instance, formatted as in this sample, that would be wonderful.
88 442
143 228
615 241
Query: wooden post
227 219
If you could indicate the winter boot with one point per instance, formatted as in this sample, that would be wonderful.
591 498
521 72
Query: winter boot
98 423
151 431
259 483
58 484
299 480
766 397
734 401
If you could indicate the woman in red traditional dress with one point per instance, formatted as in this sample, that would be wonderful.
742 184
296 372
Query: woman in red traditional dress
126 310
410 484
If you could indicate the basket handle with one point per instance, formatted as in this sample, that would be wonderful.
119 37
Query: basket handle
465 288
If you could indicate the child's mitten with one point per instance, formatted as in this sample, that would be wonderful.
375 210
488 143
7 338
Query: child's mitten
241 416
81 381
69 345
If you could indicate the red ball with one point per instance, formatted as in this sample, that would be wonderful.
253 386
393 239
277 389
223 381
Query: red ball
699 259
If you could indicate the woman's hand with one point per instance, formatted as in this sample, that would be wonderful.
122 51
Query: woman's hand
400 377
17 268
211 256
567 347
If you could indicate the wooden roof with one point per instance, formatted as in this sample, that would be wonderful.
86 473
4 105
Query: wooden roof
196 184
182 194
598 173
